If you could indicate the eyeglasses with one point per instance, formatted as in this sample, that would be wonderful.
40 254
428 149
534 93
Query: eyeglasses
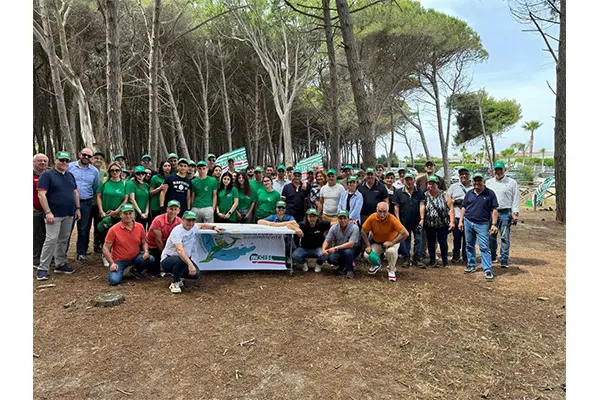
140 173
63 160
115 170
86 155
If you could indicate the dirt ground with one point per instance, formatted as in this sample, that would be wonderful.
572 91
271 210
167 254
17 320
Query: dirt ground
434 334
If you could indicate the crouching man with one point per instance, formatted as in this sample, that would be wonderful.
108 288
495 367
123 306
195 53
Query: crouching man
314 230
345 238
122 247
176 257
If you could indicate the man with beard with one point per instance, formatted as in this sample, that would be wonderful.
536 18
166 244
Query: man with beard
295 196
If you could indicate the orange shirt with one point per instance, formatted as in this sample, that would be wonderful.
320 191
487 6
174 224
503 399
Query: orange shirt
383 231
126 244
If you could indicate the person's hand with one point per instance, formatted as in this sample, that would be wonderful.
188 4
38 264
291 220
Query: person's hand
493 230
77 215
219 229
50 218
102 214
114 267
368 249
353 222
144 215
113 213
228 215
299 233
515 218
192 270
146 255
330 250
461 226
451 225
387 244
164 186
421 222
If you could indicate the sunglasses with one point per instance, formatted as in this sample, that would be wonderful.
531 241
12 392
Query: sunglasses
63 160
281 208
140 173
86 155
267 181
115 170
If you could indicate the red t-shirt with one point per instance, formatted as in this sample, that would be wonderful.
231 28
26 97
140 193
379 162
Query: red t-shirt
36 200
126 244
161 223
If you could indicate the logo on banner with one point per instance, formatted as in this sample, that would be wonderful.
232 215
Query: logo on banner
266 259
218 248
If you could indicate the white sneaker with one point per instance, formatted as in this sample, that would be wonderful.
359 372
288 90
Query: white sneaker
392 276
181 283
35 267
305 267
105 262
174 287
317 268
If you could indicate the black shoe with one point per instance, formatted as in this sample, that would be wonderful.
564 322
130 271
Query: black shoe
350 274
455 260
136 274
340 270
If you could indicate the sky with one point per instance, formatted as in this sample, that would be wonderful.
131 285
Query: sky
517 68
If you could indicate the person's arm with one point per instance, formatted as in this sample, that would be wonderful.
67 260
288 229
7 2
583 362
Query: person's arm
107 252
114 213
145 249
163 194
134 203
209 226
450 210
494 227
44 202
342 202
214 202
365 239
99 204
77 205
422 213
516 203
461 220
184 257
320 205
402 235
157 189
189 199
355 211
158 239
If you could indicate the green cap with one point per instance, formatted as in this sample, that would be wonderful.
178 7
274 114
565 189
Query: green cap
99 153
343 213
281 167
127 207
125 170
61 155
352 179
171 155
499 164
478 175
258 168
280 203
210 155
347 167
312 211
409 175
402 169
374 258
105 223
189 215
332 171
173 203
148 156
183 160
390 173
119 156
464 169
370 170
201 163
139 168
433 178
191 162
297 171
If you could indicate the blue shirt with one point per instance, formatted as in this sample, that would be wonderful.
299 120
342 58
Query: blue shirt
87 179
275 218
294 198
59 191
356 203
478 208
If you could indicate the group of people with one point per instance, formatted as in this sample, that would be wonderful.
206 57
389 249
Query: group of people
148 219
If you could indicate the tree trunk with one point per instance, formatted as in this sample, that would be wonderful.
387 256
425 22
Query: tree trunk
177 121
560 121
365 122
153 83
531 144
487 148
440 124
332 93
308 134
271 153
113 77
392 133
226 111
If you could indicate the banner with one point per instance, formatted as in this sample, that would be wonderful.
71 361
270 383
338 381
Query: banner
239 156
308 164
241 247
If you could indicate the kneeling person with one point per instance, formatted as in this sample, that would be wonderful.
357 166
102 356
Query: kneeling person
122 247
345 237
176 257
313 229
280 218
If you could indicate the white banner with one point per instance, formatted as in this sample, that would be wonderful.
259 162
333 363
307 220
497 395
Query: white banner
309 163
242 247
240 159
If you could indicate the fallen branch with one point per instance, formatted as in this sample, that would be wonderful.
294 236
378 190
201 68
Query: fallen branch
69 304
124 392
46 286
36 355
117 333
197 366
248 342
133 352
94 277
225 352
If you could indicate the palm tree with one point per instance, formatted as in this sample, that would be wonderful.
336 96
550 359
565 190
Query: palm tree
543 151
531 126
508 153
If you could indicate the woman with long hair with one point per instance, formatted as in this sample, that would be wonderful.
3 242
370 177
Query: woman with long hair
227 199
156 182
247 198
139 195
315 192
439 219
266 199
216 173
110 197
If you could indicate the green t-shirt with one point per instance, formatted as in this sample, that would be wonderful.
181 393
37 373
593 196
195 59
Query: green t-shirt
155 182
266 201
102 174
203 190
142 194
246 201
225 202
113 194
256 186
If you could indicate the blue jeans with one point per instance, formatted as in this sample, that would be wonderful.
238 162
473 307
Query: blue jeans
179 269
115 277
477 232
435 236
504 221
300 255
459 241
83 227
405 245
343 258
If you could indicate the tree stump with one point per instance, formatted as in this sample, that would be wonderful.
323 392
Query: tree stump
108 300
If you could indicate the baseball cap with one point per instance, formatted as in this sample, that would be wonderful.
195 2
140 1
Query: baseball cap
332 171
201 163
62 155
147 156
433 178
478 175
210 155
374 258
173 203
347 167
370 170
280 203
119 156
402 169
127 207
281 168
312 211
183 160
343 213
191 162
352 179
297 171
390 173
258 168
189 215
463 169
429 162
99 153
499 164
139 168
409 175
105 223
171 155
125 170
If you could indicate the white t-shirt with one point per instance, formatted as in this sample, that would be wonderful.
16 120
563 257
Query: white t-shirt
331 198
180 235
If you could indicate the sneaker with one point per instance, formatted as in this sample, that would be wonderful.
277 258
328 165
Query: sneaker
63 269
317 268
446 265
373 269
470 270
181 283
489 276
350 274
105 262
136 274
504 266
305 267
455 260
174 287
432 265
163 274
495 261
80 257
42 275
392 276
